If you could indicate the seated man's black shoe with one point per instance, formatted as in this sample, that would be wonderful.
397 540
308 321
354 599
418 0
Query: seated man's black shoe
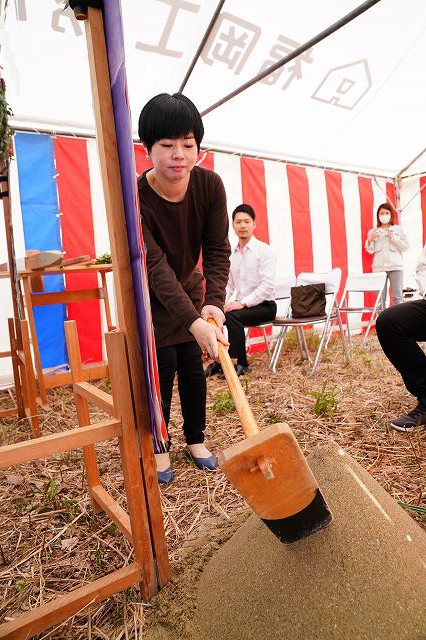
241 371
415 419
213 369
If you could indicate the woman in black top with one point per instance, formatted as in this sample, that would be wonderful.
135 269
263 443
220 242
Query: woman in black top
183 210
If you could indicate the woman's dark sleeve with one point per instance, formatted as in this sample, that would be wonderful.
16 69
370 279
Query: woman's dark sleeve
216 249
164 283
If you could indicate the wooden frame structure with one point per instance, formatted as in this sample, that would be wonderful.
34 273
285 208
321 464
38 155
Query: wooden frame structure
134 525
23 371
19 409
123 281
91 371
145 520
15 291
37 299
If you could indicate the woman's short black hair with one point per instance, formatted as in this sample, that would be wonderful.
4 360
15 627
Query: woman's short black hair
244 208
169 116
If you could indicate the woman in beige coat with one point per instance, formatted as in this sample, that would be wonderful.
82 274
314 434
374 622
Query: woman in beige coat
387 242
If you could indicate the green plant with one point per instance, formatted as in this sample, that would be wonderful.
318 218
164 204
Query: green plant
272 418
25 505
50 490
20 586
223 403
366 361
312 339
362 355
416 508
6 132
326 356
105 258
112 529
291 342
99 559
71 508
245 384
326 401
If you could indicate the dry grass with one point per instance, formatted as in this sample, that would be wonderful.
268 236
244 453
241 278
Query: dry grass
51 541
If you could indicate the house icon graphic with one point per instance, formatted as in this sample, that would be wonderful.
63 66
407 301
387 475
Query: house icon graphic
345 86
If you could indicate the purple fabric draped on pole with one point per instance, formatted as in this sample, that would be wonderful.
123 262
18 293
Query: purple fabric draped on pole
116 59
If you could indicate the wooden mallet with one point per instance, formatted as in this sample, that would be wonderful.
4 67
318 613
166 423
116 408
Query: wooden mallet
270 471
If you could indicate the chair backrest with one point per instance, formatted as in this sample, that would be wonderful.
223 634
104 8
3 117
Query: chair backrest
330 278
366 281
283 286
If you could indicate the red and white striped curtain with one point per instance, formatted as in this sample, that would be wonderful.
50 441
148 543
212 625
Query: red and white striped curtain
314 219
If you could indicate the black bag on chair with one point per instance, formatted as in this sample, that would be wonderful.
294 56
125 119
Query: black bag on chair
308 300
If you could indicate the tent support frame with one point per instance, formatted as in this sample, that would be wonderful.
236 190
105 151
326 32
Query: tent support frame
201 45
294 54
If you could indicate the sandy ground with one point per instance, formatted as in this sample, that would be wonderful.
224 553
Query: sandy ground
51 541
363 577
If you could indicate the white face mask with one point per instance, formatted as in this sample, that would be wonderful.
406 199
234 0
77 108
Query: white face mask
384 218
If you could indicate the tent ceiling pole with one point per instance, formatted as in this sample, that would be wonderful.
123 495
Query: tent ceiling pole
418 174
376 182
419 155
297 52
412 197
397 185
201 45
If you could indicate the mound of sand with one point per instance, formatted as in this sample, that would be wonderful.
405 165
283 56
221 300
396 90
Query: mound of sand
362 578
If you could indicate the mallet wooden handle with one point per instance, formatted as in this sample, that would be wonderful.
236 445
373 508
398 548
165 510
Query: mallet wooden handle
248 421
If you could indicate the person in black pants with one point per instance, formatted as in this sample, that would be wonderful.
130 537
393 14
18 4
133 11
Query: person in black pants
250 291
183 213
399 329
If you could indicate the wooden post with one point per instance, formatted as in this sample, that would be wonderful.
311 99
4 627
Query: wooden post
126 308
15 290
21 365
29 379
106 302
122 409
83 416
133 482
15 365
14 286
37 359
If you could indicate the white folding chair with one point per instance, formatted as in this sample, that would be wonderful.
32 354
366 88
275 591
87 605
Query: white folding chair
331 279
282 290
374 283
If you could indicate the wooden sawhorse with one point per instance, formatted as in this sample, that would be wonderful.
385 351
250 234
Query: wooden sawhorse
149 571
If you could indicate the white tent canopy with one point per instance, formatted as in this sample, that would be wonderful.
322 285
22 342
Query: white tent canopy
355 101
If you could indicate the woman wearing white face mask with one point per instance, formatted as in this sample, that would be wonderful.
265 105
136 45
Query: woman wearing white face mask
386 242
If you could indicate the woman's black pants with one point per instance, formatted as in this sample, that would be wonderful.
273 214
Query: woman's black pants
185 359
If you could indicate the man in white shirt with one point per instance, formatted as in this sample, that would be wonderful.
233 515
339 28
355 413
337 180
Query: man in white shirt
250 291
399 329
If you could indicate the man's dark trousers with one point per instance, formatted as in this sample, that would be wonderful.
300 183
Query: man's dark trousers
246 317
399 328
